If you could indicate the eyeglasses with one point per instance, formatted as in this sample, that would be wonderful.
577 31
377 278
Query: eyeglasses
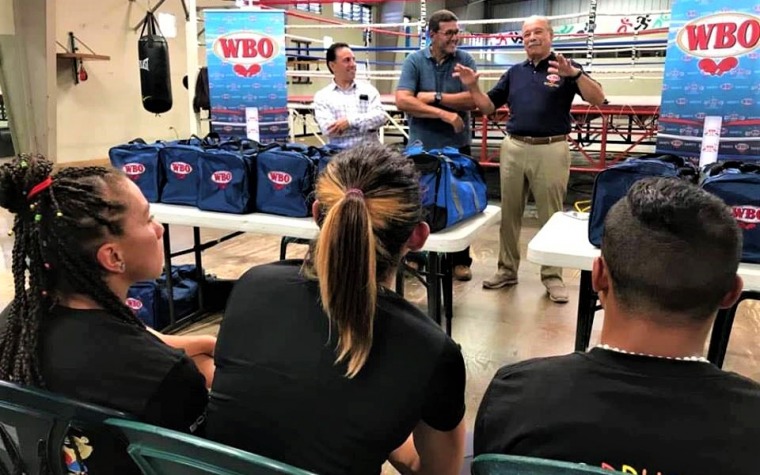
450 33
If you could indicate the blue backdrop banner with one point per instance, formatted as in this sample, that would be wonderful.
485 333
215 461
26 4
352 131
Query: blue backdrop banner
711 90
245 54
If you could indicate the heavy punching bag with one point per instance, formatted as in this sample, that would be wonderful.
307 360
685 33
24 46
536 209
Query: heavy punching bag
155 75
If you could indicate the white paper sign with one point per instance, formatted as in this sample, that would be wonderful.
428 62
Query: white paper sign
252 123
710 139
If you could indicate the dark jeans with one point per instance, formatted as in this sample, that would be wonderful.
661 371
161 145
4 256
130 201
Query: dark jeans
459 258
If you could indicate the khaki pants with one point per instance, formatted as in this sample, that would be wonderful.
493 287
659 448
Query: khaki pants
542 169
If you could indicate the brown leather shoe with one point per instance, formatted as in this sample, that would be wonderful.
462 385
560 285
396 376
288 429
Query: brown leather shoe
462 272
557 291
498 281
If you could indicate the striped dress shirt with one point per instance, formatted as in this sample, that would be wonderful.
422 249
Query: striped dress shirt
359 103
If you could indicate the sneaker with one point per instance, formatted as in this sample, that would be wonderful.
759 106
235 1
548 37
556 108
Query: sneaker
413 265
498 281
462 272
557 291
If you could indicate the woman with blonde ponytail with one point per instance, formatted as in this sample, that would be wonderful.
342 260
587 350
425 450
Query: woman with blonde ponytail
319 364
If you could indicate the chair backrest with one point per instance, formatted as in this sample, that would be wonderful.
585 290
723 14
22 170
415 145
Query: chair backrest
159 451
498 464
34 423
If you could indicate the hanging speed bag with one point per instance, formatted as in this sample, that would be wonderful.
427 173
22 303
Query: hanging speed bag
155 75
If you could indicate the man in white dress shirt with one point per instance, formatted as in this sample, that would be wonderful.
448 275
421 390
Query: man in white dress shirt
348 112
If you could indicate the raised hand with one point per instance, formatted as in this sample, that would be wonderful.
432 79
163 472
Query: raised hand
563 67
467 75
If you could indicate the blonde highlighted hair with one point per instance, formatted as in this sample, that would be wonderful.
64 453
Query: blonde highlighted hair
369 200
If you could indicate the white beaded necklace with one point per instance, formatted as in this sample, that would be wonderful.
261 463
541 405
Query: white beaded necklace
694 359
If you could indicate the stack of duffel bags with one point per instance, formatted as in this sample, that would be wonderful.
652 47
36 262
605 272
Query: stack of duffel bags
227 176
735 182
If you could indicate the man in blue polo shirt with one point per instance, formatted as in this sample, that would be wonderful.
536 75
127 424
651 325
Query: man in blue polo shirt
436 103
535 154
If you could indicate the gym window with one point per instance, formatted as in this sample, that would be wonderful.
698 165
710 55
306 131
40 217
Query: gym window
311 7
353 11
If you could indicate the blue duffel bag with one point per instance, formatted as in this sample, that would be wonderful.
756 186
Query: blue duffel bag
140 162
227 179
738 184
453 187
142 298
324 154
613 184
285 177
150 299
181 168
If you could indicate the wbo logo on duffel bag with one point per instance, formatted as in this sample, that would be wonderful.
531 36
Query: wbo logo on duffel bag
279 179
738 185
140 162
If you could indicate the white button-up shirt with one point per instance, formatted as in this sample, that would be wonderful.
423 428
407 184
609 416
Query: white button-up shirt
359 103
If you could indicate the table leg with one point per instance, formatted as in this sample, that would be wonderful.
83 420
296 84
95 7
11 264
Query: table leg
434 287
448 290
168 271
721 332
586 310
400 278
199 273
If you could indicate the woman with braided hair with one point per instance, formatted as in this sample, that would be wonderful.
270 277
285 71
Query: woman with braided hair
82 237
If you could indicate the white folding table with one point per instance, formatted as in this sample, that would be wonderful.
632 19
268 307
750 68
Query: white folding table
563 241
438 245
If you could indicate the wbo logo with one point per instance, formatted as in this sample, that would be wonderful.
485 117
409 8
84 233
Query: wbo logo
222 178
279 179
719 39
246 51
133 170
181 169
748 217
552 80
134 304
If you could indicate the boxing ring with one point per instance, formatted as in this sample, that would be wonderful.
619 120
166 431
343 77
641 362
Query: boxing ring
627 123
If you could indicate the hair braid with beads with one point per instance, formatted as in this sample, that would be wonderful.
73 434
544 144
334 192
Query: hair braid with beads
57 233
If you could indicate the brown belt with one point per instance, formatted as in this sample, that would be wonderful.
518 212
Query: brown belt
539 140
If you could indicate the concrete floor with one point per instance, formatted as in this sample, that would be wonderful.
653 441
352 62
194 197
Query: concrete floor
495 327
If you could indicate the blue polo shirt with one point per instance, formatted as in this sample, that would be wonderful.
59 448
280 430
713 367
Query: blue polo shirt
539 102
421 73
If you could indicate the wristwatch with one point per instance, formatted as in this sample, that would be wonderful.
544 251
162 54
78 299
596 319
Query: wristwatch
577 76
438 98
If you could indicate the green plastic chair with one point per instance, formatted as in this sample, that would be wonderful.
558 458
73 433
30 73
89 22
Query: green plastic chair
159 451
34 423
498 464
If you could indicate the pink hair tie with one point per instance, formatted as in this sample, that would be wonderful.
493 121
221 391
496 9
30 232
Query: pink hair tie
355 191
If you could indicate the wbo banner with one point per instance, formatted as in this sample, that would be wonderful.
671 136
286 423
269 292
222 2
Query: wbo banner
711 89
245 55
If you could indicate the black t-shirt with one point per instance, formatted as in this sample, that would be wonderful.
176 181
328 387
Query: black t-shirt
278 392
91 356
613 410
